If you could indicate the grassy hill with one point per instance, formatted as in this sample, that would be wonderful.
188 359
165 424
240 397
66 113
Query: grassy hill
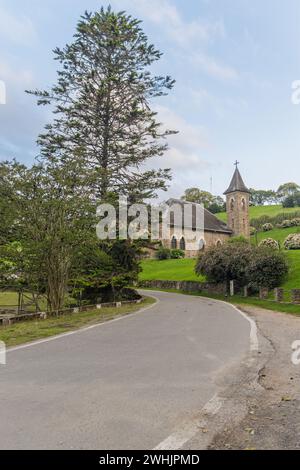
183 270
258 211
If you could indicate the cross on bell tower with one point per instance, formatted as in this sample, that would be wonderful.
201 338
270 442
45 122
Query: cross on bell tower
237 205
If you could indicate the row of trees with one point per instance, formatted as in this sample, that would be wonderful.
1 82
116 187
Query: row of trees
288 195
214 204
94 150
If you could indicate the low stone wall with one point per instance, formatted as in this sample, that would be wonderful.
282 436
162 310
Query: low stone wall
6 320
186 286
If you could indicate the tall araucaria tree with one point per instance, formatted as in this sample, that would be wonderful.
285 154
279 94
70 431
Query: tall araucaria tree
102 106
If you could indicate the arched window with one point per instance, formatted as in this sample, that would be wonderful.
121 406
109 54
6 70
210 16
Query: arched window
174 243
243 204
232 204
219 243
182 244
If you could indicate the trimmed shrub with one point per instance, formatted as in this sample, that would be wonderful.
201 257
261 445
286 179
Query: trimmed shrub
295 222
286 224
243 263
177 254
267 227
292 242
163 253
225 263
269 243
252 231
267 268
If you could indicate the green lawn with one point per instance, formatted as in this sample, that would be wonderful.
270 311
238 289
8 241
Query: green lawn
258 211
32 330
169 270
183 270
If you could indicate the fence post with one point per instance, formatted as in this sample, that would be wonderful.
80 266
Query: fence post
278 292
295 294
231 288
263 293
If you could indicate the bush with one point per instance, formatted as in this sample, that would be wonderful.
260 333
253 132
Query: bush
225 263
252 231
267 227
288 202
267 268
286 224
163 253
177 254
295 222
269 243
292 242
238 239
243 263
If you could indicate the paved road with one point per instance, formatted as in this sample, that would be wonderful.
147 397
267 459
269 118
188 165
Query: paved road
126 384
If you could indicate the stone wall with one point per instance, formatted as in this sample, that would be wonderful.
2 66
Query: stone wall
186 286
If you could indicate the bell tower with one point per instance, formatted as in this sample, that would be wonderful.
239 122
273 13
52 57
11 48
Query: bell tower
237 205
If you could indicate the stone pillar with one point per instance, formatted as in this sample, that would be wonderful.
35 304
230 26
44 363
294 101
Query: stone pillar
278 292
295 294
263 293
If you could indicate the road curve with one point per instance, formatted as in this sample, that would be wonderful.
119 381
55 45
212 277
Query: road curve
121 385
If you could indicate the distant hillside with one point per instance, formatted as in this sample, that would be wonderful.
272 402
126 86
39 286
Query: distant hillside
258 211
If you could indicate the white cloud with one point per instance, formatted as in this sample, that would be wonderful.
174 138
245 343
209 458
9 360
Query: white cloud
167 16
214 68
23 77
19 30
193 35
187 151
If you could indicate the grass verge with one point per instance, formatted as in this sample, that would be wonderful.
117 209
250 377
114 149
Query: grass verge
25 332
240 301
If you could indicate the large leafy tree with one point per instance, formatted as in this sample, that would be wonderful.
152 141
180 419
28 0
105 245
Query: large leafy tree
102 105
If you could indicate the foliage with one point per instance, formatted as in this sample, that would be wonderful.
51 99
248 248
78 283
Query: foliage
288 189
163 253
292 242
103 132
177 254
269 243
267 227
102 101
253 231
286 223
243 263
225 263
214 204
267 268
262 197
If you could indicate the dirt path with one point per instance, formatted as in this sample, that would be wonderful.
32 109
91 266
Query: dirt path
271 418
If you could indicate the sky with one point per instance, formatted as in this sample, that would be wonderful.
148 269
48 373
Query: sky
234 62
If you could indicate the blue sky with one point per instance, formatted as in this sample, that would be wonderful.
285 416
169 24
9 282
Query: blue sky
234 62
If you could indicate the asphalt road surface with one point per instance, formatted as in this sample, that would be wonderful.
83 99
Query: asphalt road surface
126 384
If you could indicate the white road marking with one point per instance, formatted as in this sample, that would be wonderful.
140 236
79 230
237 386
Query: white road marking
180 437
254 346
81 330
